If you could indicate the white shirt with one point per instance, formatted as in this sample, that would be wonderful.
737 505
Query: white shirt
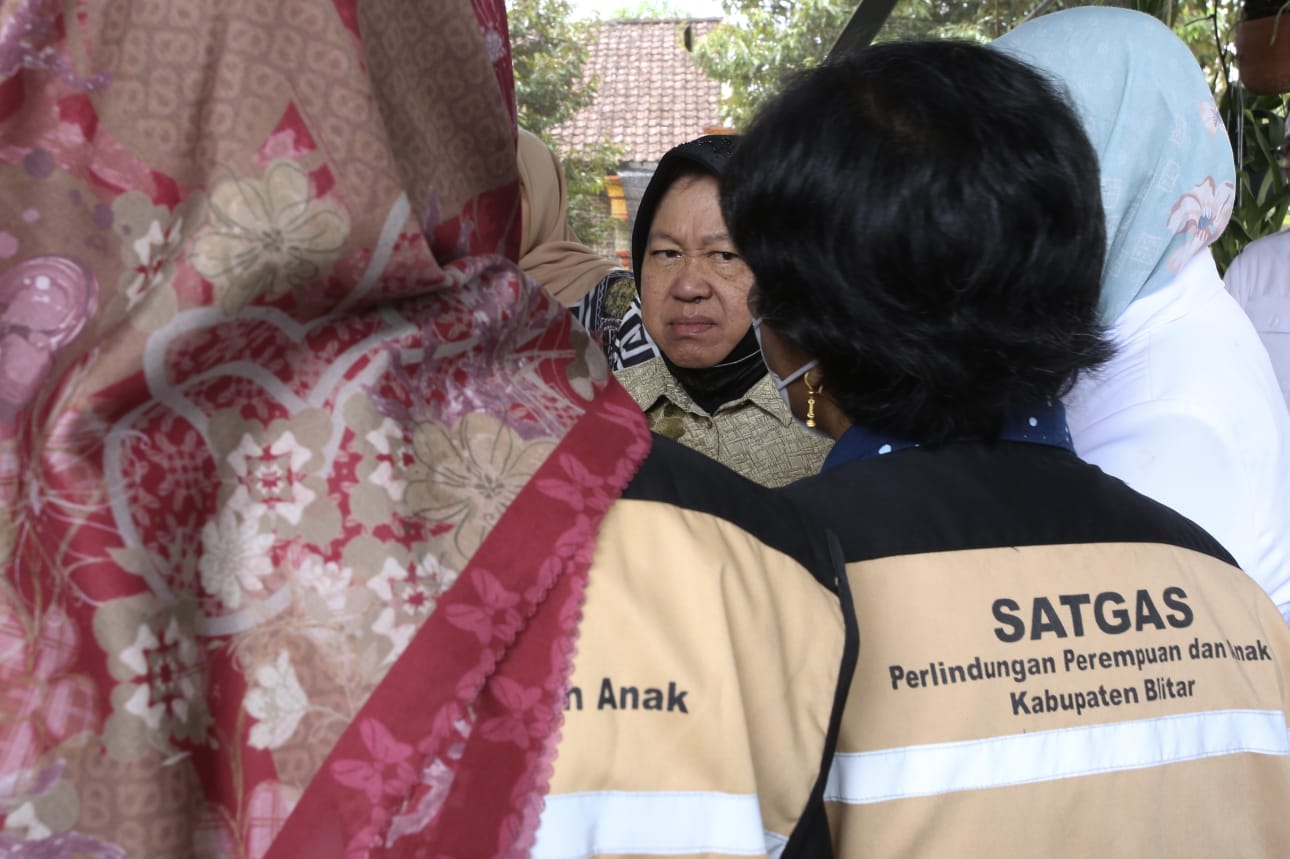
1189 413
1259 280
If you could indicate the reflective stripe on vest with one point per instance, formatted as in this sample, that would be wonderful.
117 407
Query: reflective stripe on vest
655 822
928 770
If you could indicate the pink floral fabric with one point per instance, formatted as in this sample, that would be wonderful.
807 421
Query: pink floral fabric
299 476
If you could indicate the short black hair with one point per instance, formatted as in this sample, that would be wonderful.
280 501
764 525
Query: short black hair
925 219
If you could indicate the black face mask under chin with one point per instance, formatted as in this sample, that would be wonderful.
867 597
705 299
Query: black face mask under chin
728 379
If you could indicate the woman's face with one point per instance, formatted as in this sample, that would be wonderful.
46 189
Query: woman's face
694 286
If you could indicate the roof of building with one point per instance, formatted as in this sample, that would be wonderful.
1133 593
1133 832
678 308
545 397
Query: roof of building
651 95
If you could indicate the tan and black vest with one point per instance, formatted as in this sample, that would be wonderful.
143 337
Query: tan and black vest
1050 665
710 673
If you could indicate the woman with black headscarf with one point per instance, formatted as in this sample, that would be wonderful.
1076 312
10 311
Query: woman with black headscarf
709 389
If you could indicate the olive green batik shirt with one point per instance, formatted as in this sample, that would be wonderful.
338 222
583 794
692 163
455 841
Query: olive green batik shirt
754 434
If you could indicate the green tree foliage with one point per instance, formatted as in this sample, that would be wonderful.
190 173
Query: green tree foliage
1256 126
549 53
974 20
763 43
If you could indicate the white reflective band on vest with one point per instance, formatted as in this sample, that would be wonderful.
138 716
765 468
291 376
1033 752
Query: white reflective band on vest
867 777
576 825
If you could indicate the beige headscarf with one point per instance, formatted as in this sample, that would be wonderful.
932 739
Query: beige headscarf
550 252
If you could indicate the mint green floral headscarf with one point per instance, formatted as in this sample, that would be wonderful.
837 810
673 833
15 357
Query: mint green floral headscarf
1167 169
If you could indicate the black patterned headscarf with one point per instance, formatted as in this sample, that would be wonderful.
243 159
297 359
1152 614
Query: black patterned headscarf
709 153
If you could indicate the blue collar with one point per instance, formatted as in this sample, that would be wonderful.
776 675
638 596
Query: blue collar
1045 424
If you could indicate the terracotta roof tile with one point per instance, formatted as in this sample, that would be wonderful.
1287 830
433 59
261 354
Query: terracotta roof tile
651 95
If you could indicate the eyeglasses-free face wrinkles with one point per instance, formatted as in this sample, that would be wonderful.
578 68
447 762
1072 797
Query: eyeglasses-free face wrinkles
694 284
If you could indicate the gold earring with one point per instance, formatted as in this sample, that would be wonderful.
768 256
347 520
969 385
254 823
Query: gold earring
810 399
